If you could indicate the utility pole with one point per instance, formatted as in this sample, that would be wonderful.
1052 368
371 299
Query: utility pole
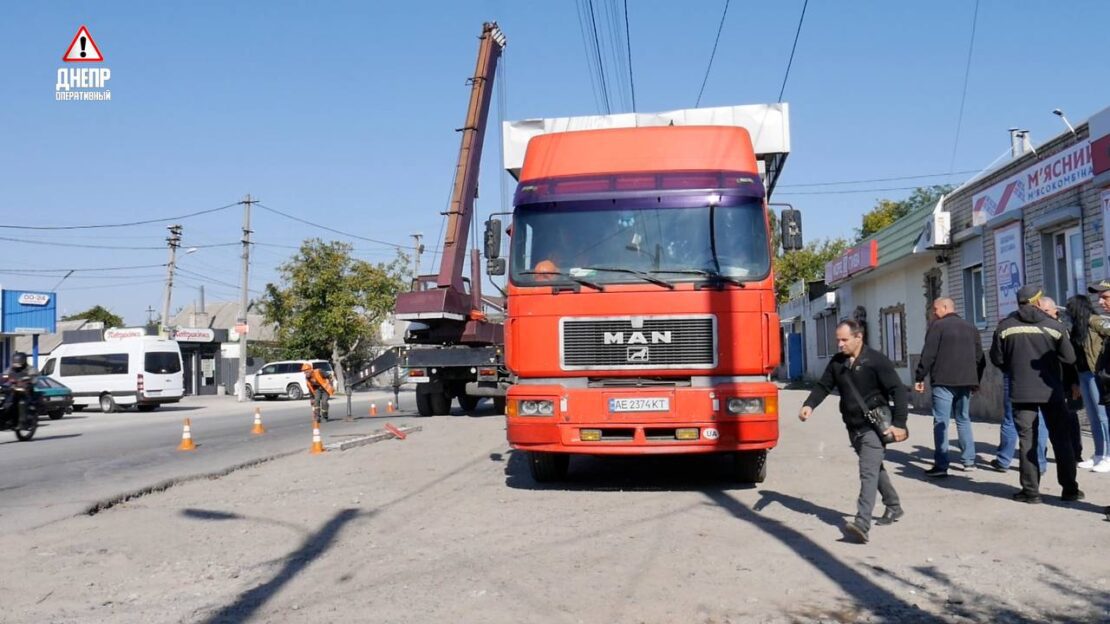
174 242
419 248
242 327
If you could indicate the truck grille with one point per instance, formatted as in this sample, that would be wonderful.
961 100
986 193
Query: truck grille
638 343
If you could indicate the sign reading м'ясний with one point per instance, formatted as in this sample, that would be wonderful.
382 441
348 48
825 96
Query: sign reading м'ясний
855 260
1050 176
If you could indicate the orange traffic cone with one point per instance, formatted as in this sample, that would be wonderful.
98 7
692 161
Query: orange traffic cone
187 438
389 407
373 409
258 429
317 443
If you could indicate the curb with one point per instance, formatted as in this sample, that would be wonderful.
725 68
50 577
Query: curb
370 439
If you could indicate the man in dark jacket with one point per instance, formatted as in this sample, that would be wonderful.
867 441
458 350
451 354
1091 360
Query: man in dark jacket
877 384
953 359
1030 346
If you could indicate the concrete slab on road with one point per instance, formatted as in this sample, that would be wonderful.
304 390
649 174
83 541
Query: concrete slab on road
448 526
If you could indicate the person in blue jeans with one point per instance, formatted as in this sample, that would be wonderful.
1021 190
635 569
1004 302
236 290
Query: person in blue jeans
1008 438
1088 333
953 360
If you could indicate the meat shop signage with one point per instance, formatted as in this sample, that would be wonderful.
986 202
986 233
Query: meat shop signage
854 261
1056 173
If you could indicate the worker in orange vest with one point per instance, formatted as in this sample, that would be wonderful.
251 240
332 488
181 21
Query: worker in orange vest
319 389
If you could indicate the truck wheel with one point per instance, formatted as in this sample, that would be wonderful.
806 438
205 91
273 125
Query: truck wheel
108 404
468 403
294 392
750 466
547 467
423 404
441 403
499 404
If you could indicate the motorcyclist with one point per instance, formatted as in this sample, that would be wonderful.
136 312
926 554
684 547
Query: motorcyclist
19 374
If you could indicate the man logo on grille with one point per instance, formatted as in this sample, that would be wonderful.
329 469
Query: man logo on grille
638 354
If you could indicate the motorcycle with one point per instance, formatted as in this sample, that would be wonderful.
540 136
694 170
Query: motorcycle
20 406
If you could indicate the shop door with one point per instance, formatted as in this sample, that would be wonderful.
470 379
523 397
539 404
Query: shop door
1066 274
207 377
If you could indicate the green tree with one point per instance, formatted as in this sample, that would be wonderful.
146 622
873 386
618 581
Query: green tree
886 212
806 264
329 305
97 313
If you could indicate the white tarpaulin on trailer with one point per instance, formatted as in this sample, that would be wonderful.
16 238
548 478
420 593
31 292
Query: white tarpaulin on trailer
768 124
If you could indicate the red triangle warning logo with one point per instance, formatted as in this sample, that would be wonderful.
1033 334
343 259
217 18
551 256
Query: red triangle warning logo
83 49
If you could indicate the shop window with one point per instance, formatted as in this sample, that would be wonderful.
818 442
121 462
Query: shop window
894 333
826 335
1062 254
975 296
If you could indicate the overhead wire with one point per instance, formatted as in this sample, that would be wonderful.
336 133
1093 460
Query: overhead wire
712 54
90 269
793 48
117 225
628 46
587 50
597 53
872 180
330 229
963 95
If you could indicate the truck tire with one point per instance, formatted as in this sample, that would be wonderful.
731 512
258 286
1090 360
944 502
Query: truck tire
548 467
750 466
423 403
468 403
441 403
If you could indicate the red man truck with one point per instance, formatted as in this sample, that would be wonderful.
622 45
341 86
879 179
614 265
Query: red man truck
641 312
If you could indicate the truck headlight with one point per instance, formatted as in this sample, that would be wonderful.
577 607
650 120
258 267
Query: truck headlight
537 408
738 405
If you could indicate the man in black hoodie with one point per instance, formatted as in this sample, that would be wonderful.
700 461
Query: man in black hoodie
877 383
1030 347
953 360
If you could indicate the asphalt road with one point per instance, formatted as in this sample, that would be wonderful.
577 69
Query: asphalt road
90 456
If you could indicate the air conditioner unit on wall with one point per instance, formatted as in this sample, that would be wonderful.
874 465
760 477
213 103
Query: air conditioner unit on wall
938 230
830 300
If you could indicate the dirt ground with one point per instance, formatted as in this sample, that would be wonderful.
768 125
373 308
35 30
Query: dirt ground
447 526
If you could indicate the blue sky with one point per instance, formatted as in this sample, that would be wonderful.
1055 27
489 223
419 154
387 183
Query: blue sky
344 113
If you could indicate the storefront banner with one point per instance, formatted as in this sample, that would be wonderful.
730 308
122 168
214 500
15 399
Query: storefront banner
852 262
1010 266
1056 173
1099 130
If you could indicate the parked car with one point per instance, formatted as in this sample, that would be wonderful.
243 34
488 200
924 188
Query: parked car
57 398
283 379
144 372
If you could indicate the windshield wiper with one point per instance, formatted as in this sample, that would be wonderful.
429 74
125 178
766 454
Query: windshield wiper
713 275
573 278
640 274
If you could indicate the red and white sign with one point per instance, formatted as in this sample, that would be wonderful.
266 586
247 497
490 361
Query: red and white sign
188 334
123 333
1056 173
83 49
1099 129
853 262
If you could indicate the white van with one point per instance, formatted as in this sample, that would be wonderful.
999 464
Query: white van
283 379
143 371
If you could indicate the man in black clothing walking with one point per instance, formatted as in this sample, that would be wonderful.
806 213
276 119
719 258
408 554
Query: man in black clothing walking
953 360
876 383
1030 347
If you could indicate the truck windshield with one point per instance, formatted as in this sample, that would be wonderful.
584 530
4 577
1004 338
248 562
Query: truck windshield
597 240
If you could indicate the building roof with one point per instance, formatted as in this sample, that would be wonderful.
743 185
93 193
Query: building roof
49 342
897 240
223 315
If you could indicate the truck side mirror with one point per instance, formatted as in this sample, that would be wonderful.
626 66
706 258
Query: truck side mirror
791 233
495 266
493 240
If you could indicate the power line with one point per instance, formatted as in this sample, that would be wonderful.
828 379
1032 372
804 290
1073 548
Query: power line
963 96
597 55
713 54
110 247
333 230
628 44
913 177
116 225
118 268
848 192
797 34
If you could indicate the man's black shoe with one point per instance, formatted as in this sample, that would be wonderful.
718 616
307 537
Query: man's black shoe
1032 499
1073 495
890 516
997 466
936 473
855 533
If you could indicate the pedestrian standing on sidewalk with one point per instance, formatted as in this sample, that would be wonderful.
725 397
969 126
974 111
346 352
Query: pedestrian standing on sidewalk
1073 397
1030 347
953 360
862 374
1088 334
